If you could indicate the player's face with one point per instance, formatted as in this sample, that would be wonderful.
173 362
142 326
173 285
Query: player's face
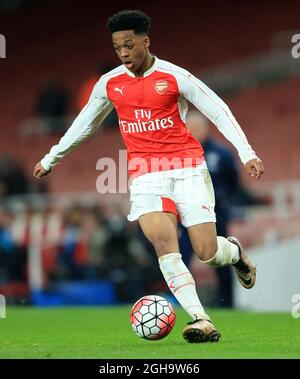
131 48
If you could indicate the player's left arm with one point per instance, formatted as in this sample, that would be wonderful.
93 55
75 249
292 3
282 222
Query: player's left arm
220 115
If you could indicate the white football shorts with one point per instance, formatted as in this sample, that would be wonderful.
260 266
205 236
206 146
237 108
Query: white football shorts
186 192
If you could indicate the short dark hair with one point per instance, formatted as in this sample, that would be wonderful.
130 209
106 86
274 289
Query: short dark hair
135 20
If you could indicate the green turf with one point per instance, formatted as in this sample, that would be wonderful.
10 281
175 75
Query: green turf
105 333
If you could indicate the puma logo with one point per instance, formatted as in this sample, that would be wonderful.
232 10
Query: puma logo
206 208
117 89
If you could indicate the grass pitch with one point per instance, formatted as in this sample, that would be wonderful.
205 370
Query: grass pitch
105 333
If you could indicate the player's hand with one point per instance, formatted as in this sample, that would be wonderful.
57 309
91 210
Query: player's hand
39 171
255 168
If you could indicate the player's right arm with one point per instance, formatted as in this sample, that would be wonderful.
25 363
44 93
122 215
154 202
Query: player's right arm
85 124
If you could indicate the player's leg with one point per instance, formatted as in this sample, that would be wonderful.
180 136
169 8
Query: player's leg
160 228
217 252
198 330
221 251
195 202
157 216
196 208
210 249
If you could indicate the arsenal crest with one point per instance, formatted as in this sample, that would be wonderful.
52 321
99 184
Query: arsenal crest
161 86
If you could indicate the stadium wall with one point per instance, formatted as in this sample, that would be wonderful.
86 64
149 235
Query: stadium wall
278 279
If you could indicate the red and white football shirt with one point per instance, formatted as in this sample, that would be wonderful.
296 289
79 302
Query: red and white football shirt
152 111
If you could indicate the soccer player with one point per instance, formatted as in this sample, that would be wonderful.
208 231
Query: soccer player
166 164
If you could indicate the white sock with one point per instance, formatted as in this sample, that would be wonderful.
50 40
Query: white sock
227 253
182 284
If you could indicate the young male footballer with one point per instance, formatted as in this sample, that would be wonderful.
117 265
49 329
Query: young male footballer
170 177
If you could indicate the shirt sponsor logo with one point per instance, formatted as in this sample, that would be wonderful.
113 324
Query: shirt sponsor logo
146 126
144 122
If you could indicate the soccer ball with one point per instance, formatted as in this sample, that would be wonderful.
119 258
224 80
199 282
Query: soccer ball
152 317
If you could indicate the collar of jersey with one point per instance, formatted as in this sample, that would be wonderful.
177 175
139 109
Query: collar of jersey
146 73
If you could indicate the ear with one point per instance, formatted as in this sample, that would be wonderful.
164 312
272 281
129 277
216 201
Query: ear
147 42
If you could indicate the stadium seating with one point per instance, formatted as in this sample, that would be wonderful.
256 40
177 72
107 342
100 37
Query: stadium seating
71 42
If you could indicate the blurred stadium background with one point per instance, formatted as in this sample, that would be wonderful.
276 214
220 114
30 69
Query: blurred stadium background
61 242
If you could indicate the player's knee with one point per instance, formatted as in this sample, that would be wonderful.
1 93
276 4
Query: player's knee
161 241
207 250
